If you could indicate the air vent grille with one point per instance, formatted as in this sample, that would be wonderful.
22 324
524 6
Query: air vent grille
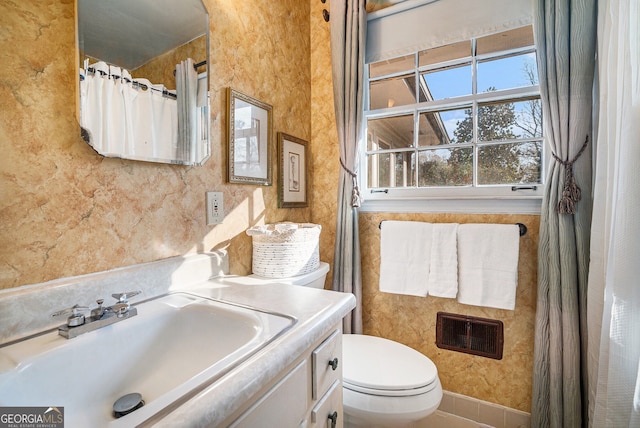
472 335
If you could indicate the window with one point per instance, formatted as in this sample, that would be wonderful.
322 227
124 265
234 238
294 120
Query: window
462 120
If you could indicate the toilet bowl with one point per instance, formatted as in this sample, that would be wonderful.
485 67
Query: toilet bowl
385 383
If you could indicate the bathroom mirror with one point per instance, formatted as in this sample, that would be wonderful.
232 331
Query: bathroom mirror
144 83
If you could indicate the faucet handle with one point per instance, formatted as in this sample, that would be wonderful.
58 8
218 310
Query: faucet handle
75 310
123 297
76 315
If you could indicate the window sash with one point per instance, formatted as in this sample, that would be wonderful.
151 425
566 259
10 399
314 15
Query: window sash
473 101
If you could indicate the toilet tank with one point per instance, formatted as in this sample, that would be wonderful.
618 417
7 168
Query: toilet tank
314 279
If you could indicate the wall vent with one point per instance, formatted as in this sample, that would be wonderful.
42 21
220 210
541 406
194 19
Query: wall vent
472 335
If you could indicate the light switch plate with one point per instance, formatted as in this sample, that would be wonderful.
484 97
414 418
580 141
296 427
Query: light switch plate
215 208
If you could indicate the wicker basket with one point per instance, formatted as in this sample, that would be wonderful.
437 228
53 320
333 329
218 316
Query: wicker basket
285 249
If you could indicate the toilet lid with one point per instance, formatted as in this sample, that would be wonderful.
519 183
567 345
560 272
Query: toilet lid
383 367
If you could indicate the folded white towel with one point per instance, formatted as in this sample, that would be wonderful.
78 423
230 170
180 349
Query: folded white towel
443 271
405 252
488 264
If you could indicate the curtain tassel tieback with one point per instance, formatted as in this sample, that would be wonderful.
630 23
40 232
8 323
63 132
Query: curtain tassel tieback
571 193
356 197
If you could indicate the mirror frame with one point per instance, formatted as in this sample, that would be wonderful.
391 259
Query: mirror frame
233 175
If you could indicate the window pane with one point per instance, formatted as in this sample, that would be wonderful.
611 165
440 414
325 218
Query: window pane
511 39
514 71
516 163
510 120
445 53
390 132
467 137
445 127
404 170
446 83
445 167
391 92
381 174
378 165
392 66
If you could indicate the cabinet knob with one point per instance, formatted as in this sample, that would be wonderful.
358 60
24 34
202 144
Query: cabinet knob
334 363
333 417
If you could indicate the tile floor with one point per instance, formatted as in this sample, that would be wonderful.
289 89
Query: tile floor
459 411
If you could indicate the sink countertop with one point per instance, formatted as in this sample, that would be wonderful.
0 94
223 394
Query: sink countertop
316 312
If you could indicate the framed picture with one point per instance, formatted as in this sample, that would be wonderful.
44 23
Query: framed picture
292 181
249 135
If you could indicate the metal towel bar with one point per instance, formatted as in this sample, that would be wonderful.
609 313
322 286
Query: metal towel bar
522 226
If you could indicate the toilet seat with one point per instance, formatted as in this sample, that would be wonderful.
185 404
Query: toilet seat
390 392
378 366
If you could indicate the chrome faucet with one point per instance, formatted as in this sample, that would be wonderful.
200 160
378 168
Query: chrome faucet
82 320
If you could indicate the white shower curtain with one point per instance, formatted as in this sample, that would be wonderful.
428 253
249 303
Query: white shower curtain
187 88
614 275
124 120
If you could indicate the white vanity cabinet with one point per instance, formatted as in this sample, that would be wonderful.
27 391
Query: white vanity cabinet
308 394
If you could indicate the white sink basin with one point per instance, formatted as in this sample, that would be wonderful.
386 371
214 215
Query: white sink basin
176 345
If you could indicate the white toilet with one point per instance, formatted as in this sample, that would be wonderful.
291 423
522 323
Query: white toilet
385 383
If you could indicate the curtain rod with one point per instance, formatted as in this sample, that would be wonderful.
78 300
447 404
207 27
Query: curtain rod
133 82
200 64
195 66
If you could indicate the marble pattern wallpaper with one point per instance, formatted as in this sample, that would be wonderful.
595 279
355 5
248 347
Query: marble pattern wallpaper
161 68
65 210
412 320
324 137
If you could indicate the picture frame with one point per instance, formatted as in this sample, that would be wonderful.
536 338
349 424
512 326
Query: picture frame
292 167
249 136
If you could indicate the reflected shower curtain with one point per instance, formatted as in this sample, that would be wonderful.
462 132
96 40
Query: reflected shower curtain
187 88
614 272
565 33
348 32
124 117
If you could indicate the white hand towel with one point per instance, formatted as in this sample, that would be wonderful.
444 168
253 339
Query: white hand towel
488 264
405 251
443 271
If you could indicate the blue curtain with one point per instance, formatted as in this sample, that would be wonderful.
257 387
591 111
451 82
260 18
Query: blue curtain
348 34
565 32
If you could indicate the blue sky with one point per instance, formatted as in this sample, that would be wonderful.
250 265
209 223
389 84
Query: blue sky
502 74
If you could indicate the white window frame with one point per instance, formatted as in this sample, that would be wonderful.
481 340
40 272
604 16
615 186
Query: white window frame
477 199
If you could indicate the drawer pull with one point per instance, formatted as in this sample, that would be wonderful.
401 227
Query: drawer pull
334 363
333 417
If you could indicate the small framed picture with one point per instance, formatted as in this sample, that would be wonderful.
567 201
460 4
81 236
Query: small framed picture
249 140
292 182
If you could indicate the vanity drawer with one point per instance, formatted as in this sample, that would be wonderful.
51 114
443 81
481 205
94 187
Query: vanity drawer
326 363
328 412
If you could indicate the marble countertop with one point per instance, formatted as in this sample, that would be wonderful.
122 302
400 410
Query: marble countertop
27 310
316 312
